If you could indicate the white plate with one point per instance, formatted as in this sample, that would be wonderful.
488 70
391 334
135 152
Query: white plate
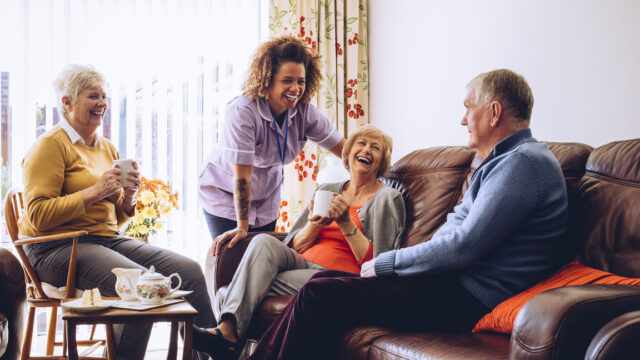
179 294
76 305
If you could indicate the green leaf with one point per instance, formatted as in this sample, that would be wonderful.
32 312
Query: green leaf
347 29
291 3
351 20
283 13
330 27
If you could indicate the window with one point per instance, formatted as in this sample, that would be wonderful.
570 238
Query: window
171 65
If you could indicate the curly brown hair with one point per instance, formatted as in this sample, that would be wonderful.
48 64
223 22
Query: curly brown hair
271 55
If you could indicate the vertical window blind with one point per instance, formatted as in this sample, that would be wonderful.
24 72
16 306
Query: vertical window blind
171 66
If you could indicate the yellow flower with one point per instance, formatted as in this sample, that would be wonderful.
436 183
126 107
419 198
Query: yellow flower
138 218
157 226
165 209
144 230
163 195
133 230
147 197
149 213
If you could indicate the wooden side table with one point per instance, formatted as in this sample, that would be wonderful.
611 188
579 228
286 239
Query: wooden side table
173 313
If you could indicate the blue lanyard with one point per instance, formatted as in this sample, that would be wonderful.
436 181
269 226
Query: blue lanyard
282 152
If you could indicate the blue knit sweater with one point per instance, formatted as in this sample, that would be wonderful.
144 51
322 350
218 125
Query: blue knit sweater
504 236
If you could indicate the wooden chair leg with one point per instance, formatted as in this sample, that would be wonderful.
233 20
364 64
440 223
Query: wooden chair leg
28 334
64 339
93 331
51 333
111 346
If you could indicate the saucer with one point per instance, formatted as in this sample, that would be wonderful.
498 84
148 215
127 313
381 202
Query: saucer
179 294
76 305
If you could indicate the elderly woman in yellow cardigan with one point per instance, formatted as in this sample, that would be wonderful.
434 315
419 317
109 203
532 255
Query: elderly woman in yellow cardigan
71 184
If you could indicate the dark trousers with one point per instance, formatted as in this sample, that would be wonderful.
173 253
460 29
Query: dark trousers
333 301
219 225
98 255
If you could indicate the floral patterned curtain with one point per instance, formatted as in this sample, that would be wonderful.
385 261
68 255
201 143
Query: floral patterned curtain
338 30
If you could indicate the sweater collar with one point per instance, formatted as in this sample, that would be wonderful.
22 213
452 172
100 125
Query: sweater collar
507 144
512 141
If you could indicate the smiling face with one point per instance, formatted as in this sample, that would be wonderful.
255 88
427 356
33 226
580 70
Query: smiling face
365 155
286 88
88 110
477 118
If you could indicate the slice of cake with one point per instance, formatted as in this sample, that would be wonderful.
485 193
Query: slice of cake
92 298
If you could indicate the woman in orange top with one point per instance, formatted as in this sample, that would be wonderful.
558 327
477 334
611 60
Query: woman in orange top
365 218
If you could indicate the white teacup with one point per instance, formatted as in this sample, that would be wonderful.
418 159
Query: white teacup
322 202
125 165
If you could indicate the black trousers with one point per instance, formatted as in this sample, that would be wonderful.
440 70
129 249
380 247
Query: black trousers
333 301
218 225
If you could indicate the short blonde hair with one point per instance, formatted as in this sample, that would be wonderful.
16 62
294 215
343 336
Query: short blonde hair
72 80
271 55
373 131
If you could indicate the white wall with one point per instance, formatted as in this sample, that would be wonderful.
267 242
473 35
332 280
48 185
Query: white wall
580 57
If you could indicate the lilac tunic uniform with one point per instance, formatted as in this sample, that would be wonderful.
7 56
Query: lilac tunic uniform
248 138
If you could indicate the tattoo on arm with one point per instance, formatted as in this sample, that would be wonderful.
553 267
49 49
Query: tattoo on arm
242 195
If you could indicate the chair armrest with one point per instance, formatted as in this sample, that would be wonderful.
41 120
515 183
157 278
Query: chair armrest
560 323
49 238
617 340
229 258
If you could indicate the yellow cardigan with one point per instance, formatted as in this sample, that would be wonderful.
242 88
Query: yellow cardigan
55 171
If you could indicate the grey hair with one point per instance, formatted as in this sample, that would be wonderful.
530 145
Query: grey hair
72 80
507 87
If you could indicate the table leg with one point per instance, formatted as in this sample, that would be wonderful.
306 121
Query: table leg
188 339
173 341
111 346
71 338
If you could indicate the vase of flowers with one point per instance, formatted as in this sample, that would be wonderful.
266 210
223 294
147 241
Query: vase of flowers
155 202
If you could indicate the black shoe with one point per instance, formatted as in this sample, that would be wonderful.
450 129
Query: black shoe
215 345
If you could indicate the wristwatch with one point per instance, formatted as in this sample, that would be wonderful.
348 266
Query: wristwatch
352 232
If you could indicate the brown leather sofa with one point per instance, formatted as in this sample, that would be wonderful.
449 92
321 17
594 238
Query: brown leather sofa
12 301
604 232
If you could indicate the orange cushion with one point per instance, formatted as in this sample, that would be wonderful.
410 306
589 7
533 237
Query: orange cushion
503 316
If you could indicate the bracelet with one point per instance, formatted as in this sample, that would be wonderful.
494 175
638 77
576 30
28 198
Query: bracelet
352 232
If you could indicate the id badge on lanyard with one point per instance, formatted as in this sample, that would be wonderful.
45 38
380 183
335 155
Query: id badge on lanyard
282 152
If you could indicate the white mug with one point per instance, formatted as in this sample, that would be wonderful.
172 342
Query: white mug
321 202
125 165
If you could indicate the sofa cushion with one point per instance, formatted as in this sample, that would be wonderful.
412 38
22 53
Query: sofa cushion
604 215
442 346
431 181
503 316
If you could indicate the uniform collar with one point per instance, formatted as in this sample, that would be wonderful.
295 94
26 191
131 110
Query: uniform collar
265 112
73 134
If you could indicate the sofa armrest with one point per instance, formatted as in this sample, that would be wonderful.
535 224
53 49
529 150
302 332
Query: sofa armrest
560 323
229 258
618 340
13 297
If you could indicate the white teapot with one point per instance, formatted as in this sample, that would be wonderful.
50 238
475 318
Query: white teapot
153 287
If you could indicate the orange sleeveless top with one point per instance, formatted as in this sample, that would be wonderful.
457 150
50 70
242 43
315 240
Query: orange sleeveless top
332 249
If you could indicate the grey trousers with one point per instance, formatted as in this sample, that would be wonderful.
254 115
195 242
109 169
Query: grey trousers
98 255
267 268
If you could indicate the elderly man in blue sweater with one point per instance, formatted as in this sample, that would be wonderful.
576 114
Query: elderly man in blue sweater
501 239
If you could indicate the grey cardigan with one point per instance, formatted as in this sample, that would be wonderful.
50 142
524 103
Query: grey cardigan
382 218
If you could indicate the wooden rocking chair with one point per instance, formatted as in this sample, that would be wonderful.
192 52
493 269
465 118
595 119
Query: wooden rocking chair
36 295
